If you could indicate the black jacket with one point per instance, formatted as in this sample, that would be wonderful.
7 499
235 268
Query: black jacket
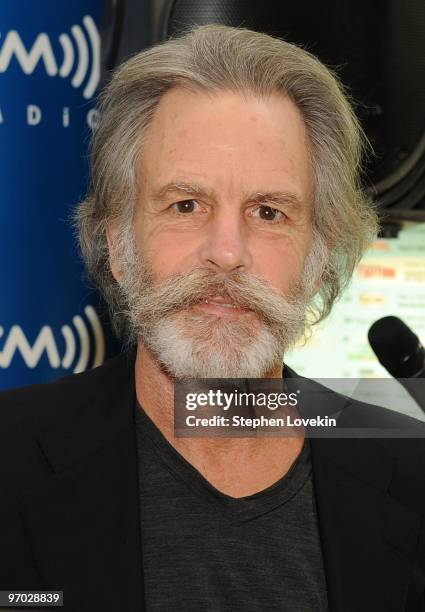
69 502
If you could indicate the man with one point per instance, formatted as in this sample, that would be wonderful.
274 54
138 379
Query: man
225 210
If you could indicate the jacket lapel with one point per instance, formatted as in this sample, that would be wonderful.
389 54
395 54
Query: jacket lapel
84 524
368 538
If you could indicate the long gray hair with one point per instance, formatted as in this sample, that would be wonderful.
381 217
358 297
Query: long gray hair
214 58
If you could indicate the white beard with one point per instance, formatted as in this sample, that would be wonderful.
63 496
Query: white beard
228 349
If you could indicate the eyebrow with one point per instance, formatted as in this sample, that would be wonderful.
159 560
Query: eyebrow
282 198
182 188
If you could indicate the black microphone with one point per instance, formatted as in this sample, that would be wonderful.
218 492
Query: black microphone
401 353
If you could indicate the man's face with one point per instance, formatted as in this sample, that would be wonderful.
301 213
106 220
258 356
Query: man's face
224 216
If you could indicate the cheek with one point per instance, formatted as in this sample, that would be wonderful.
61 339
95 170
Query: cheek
167 254
281 264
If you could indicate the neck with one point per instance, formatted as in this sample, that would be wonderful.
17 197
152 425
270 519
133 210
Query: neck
267 458
155 389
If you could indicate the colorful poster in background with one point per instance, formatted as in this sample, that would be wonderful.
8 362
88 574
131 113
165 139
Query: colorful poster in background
49 73
390 280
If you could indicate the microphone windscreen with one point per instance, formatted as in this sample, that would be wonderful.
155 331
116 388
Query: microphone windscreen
397 348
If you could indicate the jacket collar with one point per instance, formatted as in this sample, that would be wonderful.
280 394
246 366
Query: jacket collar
84 525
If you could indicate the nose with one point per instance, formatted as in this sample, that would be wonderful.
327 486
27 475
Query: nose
226 245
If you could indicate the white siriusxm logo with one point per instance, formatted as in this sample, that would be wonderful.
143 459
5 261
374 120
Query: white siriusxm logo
76 53
46 343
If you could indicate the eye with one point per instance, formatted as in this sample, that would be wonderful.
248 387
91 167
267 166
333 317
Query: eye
267 213
185 206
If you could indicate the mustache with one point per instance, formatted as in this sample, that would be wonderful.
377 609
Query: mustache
183 290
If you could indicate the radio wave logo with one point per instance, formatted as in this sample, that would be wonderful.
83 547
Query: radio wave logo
78 48
45 343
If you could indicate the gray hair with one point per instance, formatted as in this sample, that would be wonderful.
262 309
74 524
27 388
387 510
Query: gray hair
217 58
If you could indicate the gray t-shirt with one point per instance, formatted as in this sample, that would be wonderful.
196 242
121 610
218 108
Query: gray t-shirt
206 551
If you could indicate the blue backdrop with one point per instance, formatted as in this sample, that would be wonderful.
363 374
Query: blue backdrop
49 73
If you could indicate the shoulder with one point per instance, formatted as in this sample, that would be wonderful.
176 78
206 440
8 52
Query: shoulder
351 412
394 435
38 406
400 436
383 441
77 413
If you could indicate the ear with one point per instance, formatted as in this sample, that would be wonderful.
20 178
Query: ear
111 236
